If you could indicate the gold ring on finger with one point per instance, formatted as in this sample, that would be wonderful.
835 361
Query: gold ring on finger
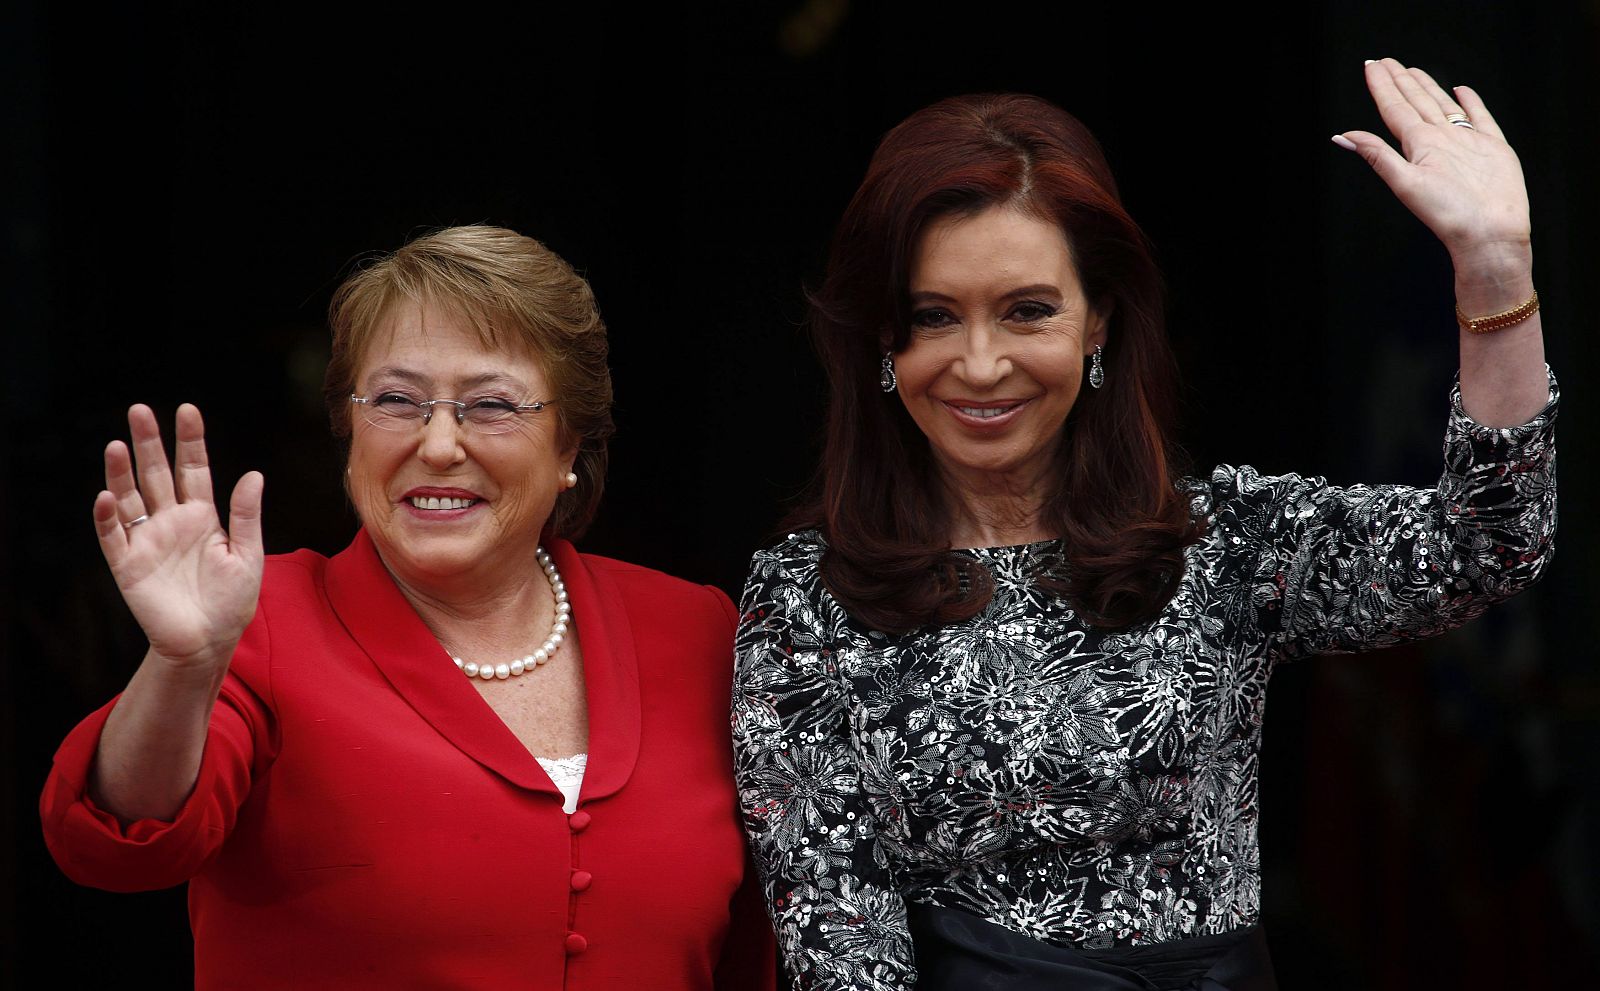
1460 120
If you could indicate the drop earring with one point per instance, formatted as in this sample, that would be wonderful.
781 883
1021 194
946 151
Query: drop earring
1097 368
886 380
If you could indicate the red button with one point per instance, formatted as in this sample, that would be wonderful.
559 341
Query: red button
581 880
576 944
578 821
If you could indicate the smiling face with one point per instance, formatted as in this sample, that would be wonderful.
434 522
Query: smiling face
999 332
441 502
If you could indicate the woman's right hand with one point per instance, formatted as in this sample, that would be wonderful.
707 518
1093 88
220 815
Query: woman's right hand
191 586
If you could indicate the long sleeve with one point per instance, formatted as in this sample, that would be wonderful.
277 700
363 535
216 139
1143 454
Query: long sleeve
93 848
1332 569
839 915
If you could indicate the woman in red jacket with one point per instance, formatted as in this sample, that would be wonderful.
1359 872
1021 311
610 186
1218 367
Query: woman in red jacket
458 753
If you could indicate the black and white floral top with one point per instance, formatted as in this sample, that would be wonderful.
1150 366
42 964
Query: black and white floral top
1089 788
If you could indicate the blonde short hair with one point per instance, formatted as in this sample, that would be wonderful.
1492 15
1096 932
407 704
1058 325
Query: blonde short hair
517 295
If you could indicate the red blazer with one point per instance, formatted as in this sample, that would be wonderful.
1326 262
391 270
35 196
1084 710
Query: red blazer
363 819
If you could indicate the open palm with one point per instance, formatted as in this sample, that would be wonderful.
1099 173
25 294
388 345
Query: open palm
191 585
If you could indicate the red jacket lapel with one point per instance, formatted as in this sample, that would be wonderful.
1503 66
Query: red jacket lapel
611 671
390 632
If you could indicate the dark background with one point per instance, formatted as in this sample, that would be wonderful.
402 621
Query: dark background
186 185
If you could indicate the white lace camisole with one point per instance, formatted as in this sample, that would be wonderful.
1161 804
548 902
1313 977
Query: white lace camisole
567 773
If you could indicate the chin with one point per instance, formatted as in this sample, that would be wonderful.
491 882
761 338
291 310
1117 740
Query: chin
437 558
995 462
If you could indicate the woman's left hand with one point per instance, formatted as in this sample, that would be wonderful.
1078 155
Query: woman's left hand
1464 183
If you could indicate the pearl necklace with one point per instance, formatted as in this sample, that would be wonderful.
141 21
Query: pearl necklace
547 650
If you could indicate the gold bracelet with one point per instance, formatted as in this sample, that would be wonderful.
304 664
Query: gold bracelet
1498 321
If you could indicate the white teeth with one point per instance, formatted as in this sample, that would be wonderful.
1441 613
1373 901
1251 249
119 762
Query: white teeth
430 502
987 413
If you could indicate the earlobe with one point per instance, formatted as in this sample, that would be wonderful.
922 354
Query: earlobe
1099 321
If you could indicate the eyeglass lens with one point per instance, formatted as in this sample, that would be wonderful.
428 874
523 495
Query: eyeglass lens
390 411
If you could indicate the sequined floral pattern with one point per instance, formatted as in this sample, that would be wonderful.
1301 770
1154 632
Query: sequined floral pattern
1083 787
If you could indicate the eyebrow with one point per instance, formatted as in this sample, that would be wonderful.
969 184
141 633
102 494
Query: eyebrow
1037 289
471 381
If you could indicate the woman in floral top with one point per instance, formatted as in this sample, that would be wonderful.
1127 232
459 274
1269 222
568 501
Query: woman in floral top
999 701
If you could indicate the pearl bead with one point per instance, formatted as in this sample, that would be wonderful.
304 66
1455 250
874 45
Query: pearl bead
547 650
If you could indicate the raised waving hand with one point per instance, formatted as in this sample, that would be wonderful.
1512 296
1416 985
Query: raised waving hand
191 585
1456 172
1454 169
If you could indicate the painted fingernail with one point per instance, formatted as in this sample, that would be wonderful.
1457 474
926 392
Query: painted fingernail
1344 142
1369 61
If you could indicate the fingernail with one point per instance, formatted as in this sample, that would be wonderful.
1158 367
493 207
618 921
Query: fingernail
1369 61
1344 142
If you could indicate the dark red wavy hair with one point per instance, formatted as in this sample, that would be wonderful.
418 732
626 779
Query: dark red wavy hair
878 501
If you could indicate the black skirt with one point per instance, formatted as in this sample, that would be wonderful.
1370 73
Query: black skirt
956 951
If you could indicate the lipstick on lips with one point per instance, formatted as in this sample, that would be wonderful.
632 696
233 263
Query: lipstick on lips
432 502
986 414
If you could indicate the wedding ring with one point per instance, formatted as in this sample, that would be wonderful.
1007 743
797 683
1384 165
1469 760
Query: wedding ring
1460 120
135 521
